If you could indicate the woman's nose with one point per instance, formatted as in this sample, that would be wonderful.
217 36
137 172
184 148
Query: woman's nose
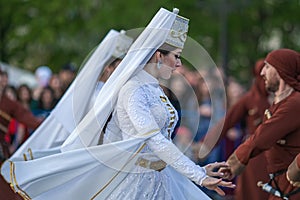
178 63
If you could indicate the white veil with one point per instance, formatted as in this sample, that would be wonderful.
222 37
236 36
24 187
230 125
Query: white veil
73 106
88 130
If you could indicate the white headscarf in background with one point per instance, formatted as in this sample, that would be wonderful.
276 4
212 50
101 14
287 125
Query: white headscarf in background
72 107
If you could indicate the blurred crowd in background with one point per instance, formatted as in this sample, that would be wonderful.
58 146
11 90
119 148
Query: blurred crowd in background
188 90
40 99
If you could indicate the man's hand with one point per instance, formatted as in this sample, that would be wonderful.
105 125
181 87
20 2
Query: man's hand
295 184
293 173
235 168
227 174
212 169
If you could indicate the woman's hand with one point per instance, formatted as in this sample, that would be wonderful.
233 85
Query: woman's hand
212 183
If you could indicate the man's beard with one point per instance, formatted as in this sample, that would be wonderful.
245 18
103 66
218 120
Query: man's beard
272 86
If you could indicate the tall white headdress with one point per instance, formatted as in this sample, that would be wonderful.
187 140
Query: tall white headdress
160 30
178 33
73 106
123 42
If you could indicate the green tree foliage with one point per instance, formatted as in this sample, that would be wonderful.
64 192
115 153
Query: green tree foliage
234 32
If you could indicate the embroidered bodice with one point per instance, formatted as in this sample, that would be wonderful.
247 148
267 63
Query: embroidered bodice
143 108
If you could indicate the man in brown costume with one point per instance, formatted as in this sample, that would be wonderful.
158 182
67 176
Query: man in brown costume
250 108
279 134
11 109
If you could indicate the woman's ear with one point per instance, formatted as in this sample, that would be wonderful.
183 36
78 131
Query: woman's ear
157 56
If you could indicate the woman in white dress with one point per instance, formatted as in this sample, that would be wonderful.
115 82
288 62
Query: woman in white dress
138 159
142 108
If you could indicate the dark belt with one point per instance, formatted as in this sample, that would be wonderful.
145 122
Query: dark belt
277 188
273 175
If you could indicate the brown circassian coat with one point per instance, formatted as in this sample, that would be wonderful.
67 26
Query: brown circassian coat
278 137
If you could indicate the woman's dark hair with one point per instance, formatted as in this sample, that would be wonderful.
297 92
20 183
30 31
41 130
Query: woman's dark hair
164 52
53 101
115 62
165 49
27 88
10 87
112 61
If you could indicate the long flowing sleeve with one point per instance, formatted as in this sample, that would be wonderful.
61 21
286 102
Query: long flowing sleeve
142 112
169 153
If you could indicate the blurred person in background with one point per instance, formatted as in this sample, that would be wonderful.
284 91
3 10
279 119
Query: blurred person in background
10 92
103 77
205 114
245 114
45 103
24 96
17 132
11 109
232 138
66 75
42 75
56 86
185 103
3 79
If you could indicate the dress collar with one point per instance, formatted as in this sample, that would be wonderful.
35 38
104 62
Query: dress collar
147 78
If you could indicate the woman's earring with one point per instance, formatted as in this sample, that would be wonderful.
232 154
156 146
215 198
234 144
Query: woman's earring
158 64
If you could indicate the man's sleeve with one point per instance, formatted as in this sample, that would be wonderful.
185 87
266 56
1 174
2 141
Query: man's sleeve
23 115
